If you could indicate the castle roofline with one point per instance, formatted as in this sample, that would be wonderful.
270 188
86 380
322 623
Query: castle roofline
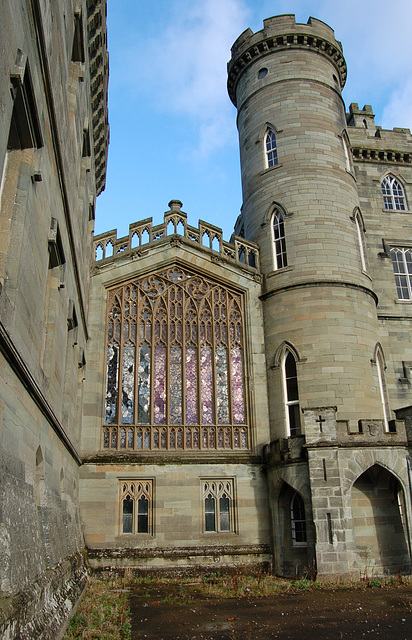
283 32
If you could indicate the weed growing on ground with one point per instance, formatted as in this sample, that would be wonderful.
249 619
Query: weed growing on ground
103 613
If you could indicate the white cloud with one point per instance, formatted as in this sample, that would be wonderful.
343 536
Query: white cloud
400 104
184 69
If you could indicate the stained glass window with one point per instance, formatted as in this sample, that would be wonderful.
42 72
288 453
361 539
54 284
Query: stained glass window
175 357
218 505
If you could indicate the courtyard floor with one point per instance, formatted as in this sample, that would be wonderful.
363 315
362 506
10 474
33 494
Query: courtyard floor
305 615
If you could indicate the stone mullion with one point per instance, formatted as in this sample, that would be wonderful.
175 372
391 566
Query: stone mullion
214 377
167 362
199 370
183 356
229 365
120 371
152 370
139 342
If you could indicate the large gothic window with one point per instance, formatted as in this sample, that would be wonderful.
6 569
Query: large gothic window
175 377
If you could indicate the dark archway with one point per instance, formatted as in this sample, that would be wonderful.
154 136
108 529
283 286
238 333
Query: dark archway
379 521
292 520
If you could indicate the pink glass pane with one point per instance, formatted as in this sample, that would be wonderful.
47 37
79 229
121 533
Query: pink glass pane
237 386
191 386
206 385
159 385
222 395
176 385
127 384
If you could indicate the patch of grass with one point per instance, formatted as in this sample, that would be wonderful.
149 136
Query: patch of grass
103 613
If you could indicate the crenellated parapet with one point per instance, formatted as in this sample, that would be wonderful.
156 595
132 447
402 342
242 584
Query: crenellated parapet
370 143
143 236
99 78
284 33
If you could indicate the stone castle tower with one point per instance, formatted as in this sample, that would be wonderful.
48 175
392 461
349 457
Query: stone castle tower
324 339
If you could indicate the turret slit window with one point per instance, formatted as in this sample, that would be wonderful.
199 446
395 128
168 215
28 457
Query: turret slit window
393 194
360 230
290 384
175 359
298 521
380 366
271 149
279 240
218 505
402 268
136 506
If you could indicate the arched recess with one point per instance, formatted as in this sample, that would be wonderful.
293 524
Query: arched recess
357 218
380 525
347 151
39 476
292 512
280 353
380 364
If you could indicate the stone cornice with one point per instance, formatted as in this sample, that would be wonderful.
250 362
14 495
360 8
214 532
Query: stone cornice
388 156
99 78
278 42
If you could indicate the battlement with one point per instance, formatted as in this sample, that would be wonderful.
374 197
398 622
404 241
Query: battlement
143 235
371 143
283 32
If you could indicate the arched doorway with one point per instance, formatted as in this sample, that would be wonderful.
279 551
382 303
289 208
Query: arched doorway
292 520
379 521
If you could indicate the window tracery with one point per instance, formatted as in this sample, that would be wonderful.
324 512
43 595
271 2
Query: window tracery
175 373
218 505
136 500
393 194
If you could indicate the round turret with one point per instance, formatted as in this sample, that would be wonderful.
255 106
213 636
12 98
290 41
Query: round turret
300 204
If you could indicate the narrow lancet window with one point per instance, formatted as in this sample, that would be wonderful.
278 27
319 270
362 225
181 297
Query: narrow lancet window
271 149
279 241
290 381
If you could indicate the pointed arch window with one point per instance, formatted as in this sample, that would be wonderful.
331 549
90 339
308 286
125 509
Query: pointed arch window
347 152
271 152
360 231
136 500
380 368
218 505
393 194
279 240
298 521
291 393
175 364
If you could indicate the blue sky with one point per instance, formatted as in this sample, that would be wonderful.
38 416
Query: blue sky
172 126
